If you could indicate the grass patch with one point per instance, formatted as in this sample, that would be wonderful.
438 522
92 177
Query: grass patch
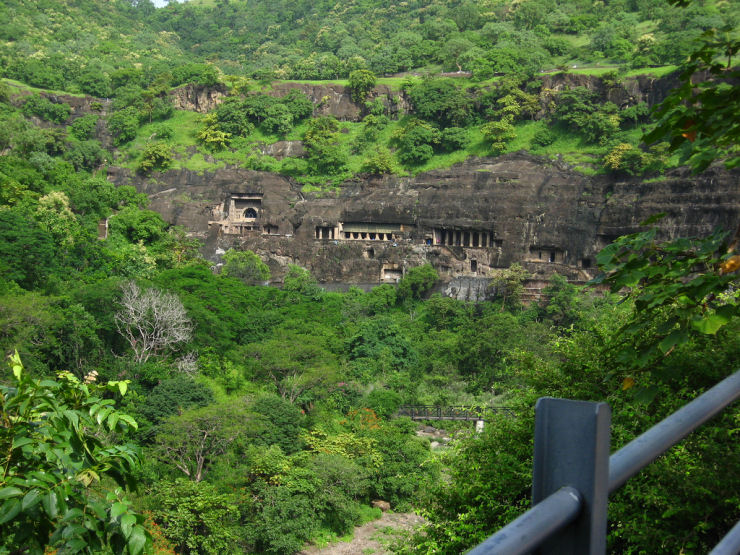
29 88
654 71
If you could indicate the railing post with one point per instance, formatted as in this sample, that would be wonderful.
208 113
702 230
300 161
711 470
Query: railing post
571 448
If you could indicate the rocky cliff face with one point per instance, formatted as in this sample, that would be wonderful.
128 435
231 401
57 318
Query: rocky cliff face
336 100
467 221
196 98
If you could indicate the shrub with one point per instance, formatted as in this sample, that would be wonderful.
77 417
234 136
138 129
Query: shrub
173 395
246 266
156 156
281 423
379 162
383 402
37 105
415 142
361 82
499 134
543 137
454 138
84 127
85 155
123 125
417 282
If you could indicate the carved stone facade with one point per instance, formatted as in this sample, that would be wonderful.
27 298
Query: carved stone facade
467 221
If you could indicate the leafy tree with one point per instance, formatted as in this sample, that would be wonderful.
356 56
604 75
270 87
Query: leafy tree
679 289
83 127
246 266
321 140
441 101
381 341
152 321
499 134
54 459
94 82
284 522
699 118
37 105
300 280
27 252
383 402
123 125
380 161
85 155
192 441
508 285
627 159
211 136
296 364
279 423
560 301
298 104
174 395
232 117
577 110
196 74
278 119
138 225
361 82
54 215
195 517
417 281
416 141
157 155
454 138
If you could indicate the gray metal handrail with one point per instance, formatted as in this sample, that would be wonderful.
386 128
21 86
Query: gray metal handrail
541 524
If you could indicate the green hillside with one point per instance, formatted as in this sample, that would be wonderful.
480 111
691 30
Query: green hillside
258 419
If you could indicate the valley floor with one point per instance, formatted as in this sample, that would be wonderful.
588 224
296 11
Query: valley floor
372 538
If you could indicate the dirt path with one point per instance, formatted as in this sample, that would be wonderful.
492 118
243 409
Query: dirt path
371 538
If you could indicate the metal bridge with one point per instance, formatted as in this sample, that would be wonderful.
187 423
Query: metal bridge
433 412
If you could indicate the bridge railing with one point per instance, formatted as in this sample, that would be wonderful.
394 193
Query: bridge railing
434 412
574 474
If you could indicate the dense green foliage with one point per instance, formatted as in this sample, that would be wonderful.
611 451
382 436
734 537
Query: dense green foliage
54 459
267 418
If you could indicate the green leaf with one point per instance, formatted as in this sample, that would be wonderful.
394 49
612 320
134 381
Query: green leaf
672 339
73 417
103 414
9 510
49 502
31 499
129 420
10 492
646 394
137 540
72 513
710 324
113 420
117 510
15 361
75 545
127 523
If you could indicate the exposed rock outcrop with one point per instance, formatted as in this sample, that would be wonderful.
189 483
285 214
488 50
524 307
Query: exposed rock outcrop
197 98
466 221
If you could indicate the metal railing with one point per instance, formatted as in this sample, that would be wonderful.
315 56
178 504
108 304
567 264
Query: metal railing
433 412
574 474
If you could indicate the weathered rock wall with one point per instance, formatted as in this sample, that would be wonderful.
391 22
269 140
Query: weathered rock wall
467 221
197 98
